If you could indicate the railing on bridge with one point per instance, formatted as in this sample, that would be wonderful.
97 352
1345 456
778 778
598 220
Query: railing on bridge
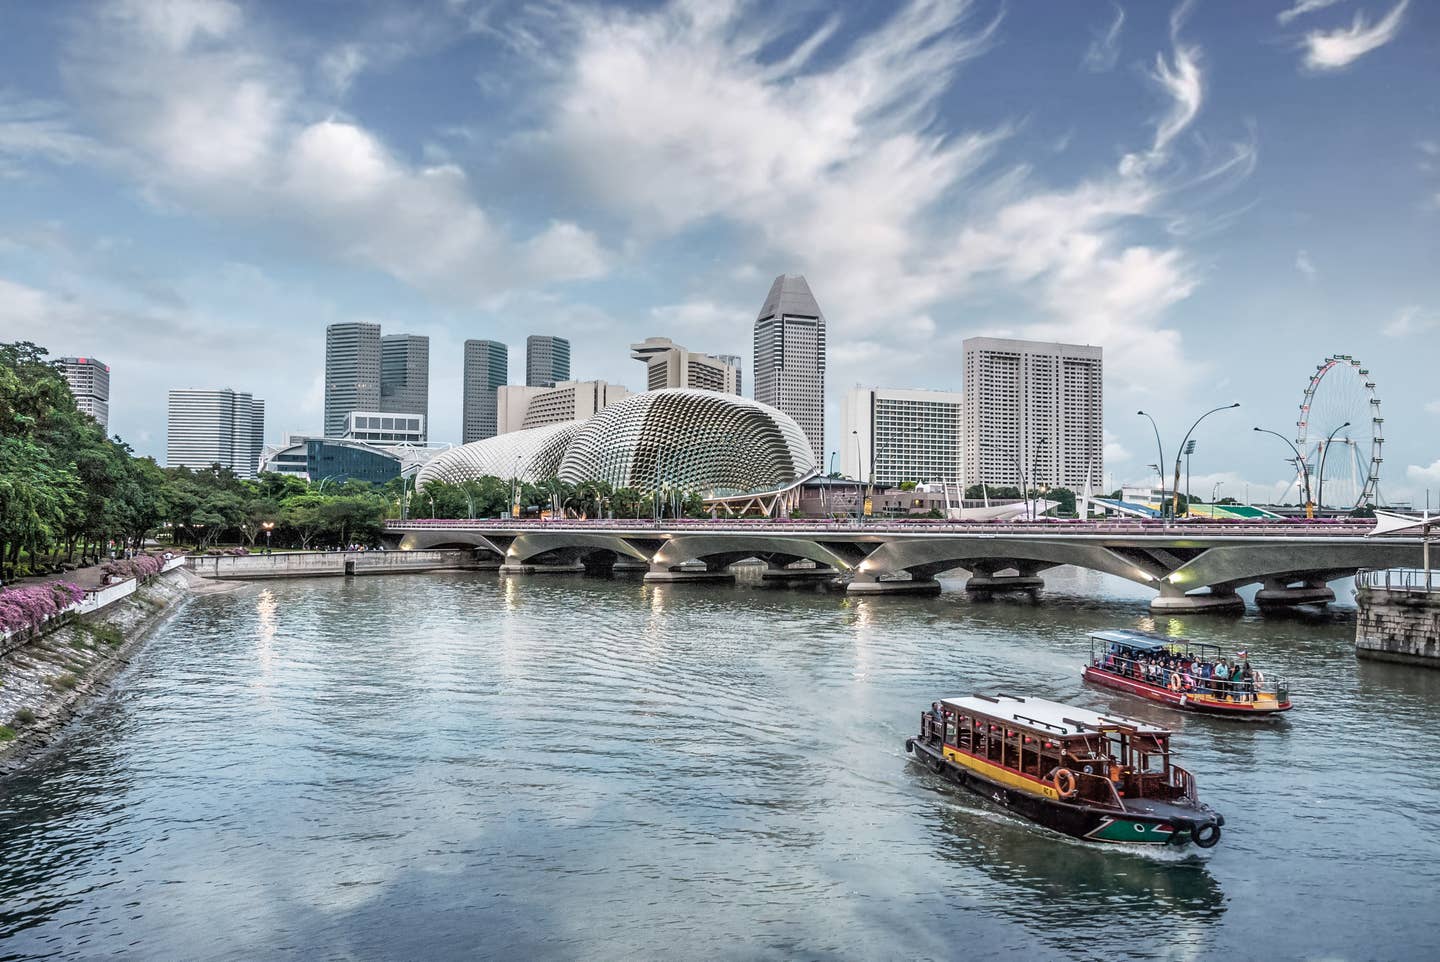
1399 579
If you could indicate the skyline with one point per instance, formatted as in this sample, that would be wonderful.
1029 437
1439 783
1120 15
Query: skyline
1174 184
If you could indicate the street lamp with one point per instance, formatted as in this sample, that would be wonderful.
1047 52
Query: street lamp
1320 488
1175 502
1159 462
1215 491
859 473
269 526
1300 463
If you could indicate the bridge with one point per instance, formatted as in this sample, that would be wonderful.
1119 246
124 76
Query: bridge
1191 566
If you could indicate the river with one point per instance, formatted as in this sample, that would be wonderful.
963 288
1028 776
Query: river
459 766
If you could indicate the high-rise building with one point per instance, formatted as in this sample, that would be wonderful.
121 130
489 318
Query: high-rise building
221 427
352 372
790 355
405 375
734 361
889 435
667 364
90 383
521 408
487 369
547 360
1033 411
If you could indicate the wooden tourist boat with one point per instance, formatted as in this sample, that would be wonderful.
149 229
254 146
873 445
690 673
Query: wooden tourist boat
1172 671
1091 776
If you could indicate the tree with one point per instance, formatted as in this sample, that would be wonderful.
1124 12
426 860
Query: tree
304 514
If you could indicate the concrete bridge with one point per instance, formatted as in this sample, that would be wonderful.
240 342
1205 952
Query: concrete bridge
1191 566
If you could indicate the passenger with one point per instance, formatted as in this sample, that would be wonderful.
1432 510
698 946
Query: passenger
1205 675
1237 683
1247 681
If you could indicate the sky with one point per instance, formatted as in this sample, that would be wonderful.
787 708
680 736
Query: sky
1220 194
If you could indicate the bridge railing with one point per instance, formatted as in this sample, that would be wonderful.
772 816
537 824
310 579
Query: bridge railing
1399 579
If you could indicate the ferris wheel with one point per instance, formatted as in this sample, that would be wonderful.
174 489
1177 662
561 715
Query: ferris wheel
1341 433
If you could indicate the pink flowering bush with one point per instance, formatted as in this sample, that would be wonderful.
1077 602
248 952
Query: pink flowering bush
28 607
140 566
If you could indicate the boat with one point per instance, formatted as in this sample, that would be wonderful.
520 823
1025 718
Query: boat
1170 671
1097 777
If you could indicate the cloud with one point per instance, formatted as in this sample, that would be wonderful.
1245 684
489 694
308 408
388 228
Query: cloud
1181 79
1115 452
36 129
1301 8
1334 49
1104 49
1424 475
1304 265
1410 320
1433 407
206 115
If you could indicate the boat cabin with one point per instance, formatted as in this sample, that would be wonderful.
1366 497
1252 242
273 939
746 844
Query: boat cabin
1182 666
1025 742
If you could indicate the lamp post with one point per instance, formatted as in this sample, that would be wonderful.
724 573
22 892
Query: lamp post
1175 501
1300 463
1215 491
269 526
1189 450
859 473
1320 487
1160 462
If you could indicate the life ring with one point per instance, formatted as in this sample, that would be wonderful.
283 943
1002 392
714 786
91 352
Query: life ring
1065 783
1174 681
1205 835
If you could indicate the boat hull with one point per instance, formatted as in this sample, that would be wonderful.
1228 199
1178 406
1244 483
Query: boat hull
1183 700
1087 822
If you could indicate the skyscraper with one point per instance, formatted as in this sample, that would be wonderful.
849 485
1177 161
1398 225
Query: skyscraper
405 375
667 364
901 435
90 383
1033 411
487 369
547 360
734 361
352 372
221 427
790 356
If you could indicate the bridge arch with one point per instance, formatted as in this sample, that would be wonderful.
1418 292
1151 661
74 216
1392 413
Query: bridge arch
927 557
717 551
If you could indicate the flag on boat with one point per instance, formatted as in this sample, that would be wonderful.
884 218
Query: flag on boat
1242 655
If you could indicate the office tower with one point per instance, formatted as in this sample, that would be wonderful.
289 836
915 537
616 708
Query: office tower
221 427
667 364
790 356
889 435
487 369
1033 411
734 361
90 383
547 360
352 372
520 408
405 375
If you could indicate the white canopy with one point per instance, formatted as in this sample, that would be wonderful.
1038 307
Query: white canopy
1387 522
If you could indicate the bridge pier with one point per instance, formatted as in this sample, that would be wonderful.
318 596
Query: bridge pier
870 584
1278 593
516 568
667 574
1217 599
986 581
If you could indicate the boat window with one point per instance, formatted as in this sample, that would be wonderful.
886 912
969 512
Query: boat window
950 728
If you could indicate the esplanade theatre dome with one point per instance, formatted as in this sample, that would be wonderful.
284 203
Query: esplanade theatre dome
703 441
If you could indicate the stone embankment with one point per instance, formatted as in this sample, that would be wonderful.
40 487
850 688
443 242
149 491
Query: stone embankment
46 679
319 564
1399 616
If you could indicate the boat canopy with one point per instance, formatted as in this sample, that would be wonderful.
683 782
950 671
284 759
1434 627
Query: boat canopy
1138 640
1043 715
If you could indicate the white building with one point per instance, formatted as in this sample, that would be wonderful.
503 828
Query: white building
890 435
667 365
789 364
90 383
521 408
221 427
1033 411
384 427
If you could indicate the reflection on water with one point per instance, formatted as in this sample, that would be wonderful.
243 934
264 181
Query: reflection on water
456 765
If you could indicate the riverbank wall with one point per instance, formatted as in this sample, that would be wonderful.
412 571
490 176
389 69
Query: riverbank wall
46 677
331 564
1399 617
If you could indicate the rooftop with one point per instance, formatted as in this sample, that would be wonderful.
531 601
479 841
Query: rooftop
1041 713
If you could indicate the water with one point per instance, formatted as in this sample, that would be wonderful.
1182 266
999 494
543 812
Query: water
453 766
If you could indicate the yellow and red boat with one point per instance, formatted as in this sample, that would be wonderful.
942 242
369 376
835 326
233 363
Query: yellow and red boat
1184 674
1091 776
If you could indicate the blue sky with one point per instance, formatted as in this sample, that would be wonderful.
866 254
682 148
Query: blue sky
1220 194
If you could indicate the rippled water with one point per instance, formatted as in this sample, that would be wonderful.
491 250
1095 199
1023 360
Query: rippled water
452 766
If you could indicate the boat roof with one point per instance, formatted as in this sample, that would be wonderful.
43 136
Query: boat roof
1142 640
1048 715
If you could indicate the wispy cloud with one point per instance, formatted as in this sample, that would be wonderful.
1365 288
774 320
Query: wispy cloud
1304 265
1303 7
1181 79
1334 49
1409 320
1104 49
